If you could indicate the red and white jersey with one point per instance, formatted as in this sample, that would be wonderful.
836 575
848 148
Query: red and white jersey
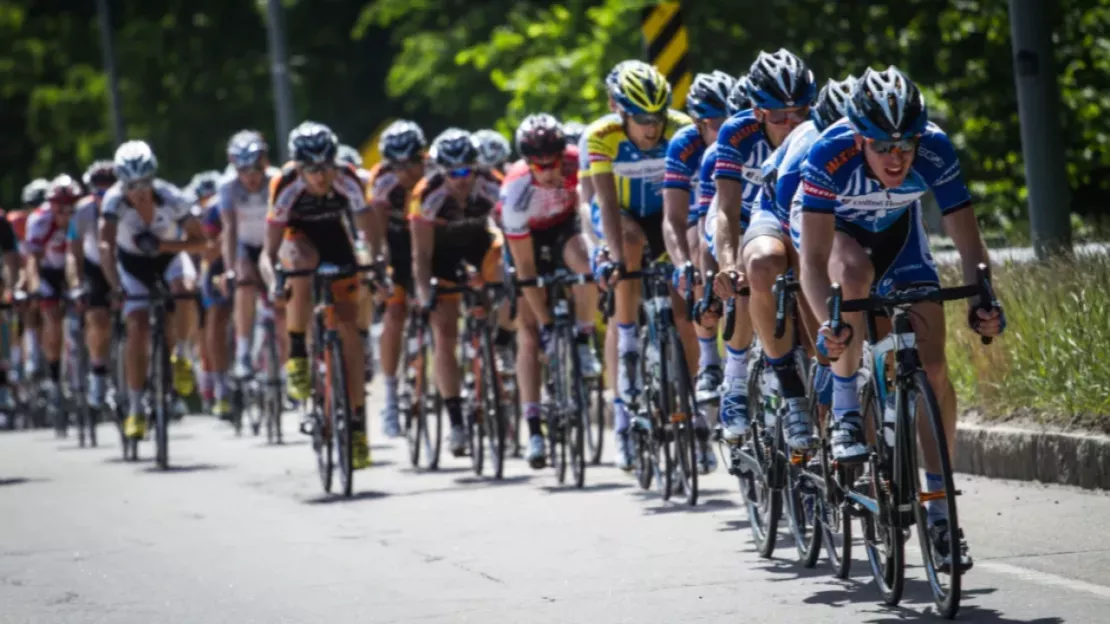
525 206
46 237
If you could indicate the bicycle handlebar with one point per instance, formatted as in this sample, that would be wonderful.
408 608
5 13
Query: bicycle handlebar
560 277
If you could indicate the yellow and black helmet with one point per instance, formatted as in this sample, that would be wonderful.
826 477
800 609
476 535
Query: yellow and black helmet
640 88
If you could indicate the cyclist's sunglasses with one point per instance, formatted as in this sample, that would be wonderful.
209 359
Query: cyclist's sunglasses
317 167
648 119
249 169
461 172
139 185
904 146
783 115
546 163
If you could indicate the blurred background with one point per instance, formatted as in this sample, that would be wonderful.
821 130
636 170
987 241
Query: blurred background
190 73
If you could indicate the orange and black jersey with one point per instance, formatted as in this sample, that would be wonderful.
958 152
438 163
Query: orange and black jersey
432 203
385 192
291 203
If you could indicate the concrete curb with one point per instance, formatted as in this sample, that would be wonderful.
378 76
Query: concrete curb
1047 456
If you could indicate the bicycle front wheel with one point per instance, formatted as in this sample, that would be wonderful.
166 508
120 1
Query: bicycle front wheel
578 420
944 570
683 419
493 417
160 360
883 537
340 413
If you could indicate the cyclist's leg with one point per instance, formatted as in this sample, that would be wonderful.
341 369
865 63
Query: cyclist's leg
710 375
576 257
52 288
98 331
492 268
627 310
181 322
137 321
393 323
297 253
734 388
246 296
765 259
365 314
528 373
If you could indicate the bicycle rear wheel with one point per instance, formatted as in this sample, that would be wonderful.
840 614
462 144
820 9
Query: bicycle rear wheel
833 508
475 408
272 403
682 420
159 358
763 501
578 408
493 417
882 538
945 576
595 425
340 412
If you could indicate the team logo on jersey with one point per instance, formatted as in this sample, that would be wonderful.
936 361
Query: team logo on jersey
838 161
743 133
817 191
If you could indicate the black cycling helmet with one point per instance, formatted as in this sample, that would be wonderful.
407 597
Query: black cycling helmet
100 174
887 106
832 102
540 136
780 80
708 95
402 141
313 143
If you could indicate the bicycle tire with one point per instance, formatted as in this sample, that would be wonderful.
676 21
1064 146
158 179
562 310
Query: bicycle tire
834 511
882 540
432 404
160 362
596 442
475 407
947 600
804 521
412 393
765 508
340 412
273 386
494 417
683 429
579 409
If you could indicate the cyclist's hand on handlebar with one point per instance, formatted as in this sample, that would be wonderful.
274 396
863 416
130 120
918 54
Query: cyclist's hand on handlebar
727 283
988 322
830 344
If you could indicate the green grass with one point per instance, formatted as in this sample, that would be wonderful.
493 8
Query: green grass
1053 363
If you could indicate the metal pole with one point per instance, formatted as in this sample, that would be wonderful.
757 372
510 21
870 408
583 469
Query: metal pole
108 55
283 96
1041 136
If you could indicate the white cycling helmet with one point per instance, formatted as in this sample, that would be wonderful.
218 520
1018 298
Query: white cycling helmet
134 160
493 148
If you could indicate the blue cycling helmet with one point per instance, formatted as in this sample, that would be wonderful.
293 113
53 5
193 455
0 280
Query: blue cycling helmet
781 80
708 96
832 102
738 98
886 105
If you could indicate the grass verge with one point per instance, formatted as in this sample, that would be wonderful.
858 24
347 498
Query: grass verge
1051 365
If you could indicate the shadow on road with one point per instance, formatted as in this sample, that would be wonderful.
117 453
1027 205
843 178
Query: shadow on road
679 506
185 468
120 460
513 480
21 480
735 525
282 445
331 499
451 470
589 487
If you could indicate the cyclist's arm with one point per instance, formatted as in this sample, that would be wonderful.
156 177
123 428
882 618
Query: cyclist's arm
524 257
676 210
729 200
77 254
11 269
370 225
230 236
605 187
194 242
423 239
962 227
819 230
267 260
108 229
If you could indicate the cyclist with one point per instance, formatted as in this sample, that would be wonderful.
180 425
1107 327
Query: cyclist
707 104
391 182
217 309
242 204
573 130
450 214
781 90
47 228
861 185
84 248
781 177
494 150
201 191
348 155
33 196
147 231
9 247
626 168
307 225
538 208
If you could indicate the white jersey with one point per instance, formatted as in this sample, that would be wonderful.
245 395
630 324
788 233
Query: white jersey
44 236
171 209
83 225
249 209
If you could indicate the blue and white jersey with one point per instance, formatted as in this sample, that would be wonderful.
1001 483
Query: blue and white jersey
741 149
684 154
782 172
707 186
835 180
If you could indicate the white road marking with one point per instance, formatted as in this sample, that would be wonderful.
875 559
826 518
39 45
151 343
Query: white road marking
1044 578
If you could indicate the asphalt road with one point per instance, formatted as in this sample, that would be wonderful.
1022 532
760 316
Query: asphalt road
240 532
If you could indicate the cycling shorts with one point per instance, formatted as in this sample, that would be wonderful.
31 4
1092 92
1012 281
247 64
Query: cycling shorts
98 287
548 244
139 274
651 226
899 254
400 261
210 295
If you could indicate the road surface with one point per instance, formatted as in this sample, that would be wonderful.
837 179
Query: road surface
239 532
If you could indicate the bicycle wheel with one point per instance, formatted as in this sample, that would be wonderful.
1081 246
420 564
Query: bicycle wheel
159 358
763 501
340 413
682 420
493 417
238 404
577 409
317 415
411 398
833 508
937 569
883 540
595 426
474 406
802 515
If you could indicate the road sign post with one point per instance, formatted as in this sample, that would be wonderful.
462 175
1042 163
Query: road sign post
667 47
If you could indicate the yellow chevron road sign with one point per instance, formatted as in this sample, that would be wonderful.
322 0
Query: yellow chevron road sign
667 47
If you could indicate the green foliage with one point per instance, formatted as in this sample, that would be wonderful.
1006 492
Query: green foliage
1049 364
